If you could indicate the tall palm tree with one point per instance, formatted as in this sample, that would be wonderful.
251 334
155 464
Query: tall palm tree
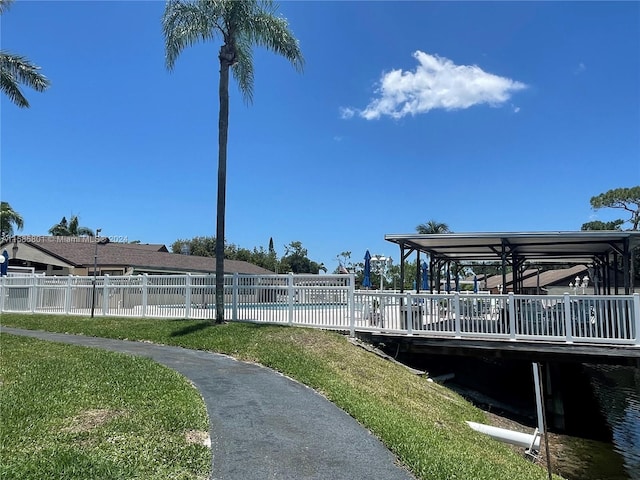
240 25
70 228
432 227
16 70
9 219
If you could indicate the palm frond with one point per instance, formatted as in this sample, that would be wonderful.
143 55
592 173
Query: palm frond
186 23
273 33
84 231
243 69
16 70
8 219
4 5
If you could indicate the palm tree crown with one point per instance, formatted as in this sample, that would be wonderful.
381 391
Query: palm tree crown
432 227
9 219
241 25
16 70
70 228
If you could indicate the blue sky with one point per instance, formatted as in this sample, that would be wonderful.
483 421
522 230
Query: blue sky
486 116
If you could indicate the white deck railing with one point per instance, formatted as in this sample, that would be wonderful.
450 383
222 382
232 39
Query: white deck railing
331 301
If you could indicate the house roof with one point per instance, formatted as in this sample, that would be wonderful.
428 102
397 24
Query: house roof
80 252
495 280
530 277
556 277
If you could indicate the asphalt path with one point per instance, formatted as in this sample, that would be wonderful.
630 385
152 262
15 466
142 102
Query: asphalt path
263 425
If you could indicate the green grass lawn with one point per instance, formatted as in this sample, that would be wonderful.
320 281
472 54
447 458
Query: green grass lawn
80 413
423 423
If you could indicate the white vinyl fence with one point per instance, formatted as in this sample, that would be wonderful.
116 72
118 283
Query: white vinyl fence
331 301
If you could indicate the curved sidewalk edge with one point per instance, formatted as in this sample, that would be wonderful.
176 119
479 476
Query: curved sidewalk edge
263 425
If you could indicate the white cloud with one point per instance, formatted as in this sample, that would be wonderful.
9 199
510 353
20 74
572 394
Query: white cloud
436 83
346 112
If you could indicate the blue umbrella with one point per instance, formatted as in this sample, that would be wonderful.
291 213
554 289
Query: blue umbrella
4 265
366 281
425 276
475 284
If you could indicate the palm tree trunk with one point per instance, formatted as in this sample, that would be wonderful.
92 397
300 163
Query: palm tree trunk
223 128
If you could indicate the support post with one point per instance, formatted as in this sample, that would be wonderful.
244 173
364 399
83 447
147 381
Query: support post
352 304
512 316
409 314
456 306
67 295
33 294
105 295
234 297
636 316
187 295
567 318
290 295
2 292
542 421
145 294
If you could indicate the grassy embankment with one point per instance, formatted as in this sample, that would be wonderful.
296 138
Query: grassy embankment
78 413
421 422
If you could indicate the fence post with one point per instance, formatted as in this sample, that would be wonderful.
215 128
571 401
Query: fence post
67 295
105 295
456 307
351 292
290 295
234 296
511 302
145 294
2 292
567 318
187 296
33 294
409 315
636 316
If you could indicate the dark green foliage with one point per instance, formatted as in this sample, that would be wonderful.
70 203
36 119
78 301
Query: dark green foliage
627 199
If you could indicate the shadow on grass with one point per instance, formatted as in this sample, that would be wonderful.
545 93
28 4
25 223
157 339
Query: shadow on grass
205 324
192 328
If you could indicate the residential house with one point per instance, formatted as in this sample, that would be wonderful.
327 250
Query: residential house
57 255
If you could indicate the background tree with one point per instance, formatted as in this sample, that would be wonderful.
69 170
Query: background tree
206 247
16 70
296 260
432 227
599 225
199 246
10 221
344 263
627 199
70 228
273 257
240 25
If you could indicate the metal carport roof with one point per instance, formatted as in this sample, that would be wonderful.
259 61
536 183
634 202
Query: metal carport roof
599 248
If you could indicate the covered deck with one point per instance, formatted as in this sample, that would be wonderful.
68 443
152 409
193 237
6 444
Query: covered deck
607 253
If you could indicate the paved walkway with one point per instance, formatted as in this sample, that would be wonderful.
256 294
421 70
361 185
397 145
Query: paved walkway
263 425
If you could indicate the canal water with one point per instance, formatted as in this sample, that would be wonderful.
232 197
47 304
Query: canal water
617 390
602 402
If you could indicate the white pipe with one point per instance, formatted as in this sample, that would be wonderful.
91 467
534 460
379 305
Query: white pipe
524 440
538 389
